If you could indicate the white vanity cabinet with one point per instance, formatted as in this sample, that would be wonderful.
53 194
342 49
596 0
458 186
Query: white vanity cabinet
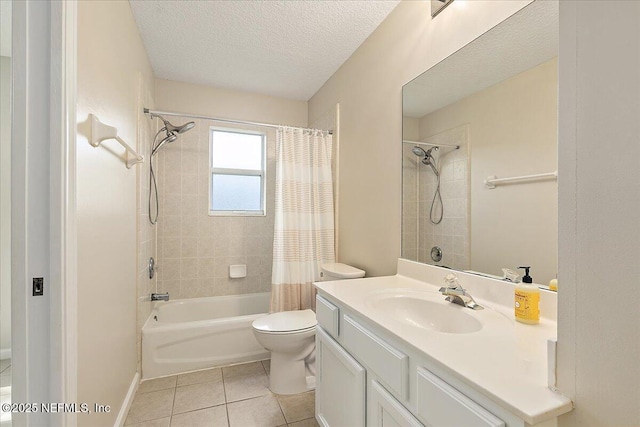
366 377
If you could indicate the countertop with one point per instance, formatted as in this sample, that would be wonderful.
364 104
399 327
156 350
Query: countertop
505 361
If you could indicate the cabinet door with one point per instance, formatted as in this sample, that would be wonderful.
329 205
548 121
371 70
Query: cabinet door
386 411
340 385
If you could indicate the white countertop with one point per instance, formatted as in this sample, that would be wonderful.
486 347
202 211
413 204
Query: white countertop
506 360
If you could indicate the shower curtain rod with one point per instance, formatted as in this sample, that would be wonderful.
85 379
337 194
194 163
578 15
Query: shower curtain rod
217 119
430 144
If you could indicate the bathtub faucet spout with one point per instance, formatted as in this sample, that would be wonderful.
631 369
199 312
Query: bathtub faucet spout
160 297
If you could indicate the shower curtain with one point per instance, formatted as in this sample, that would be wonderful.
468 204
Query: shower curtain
304 229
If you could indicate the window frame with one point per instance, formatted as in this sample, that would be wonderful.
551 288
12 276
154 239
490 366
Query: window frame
262 173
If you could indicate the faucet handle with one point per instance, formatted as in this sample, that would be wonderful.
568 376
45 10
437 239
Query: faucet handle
451 279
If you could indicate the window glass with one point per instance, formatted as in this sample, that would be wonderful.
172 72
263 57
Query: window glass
237 172
233 150
236 192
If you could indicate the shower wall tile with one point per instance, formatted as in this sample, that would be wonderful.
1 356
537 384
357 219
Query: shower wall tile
195 249
452 233
146 240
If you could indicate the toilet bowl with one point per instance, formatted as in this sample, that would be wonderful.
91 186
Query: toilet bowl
290 337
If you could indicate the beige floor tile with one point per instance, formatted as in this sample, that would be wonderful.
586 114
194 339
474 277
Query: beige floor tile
259 412
151 406
246 387
298 407
200 377
157 384
4 364
161 422
210 417
244 369
198 396
267 365
311 422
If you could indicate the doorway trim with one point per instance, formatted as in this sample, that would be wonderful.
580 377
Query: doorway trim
44 328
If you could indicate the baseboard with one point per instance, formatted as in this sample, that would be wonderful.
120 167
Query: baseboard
124 410
5 353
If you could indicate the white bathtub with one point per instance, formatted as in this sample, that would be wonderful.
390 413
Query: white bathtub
190 334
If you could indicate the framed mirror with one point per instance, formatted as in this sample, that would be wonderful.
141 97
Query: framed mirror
486 113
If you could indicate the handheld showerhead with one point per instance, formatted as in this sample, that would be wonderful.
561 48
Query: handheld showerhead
170 129
418 151
427 157
169 138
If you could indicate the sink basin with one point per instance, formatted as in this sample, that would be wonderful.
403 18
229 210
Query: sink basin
426 312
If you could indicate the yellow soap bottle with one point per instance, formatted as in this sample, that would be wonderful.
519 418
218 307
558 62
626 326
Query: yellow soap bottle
527 300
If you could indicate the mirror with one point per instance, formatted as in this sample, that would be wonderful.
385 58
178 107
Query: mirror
487 111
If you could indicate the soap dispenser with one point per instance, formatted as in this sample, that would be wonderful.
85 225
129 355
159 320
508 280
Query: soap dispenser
527 300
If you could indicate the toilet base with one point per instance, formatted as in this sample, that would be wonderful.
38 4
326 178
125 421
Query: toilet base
288 375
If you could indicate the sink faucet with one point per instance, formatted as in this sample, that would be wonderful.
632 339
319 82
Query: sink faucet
455 293
160 297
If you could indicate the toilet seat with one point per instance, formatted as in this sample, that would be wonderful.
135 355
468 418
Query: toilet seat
286 322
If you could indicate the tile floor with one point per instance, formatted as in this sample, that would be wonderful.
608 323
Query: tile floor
232 396
5 390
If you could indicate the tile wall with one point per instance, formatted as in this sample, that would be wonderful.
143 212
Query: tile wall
451 235
146 239
195 249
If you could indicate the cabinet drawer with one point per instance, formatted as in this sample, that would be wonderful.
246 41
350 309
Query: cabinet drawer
328 316
391 365
441 405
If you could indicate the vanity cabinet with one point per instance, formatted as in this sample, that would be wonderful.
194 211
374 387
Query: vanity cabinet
340 385
366 377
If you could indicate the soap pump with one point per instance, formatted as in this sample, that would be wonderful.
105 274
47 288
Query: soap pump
527 300
526 278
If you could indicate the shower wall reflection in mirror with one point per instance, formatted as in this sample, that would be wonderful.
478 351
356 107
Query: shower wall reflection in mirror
491 110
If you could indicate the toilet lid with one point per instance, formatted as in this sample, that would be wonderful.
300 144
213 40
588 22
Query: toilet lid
286 321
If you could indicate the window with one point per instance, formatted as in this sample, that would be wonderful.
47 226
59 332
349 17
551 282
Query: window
237 183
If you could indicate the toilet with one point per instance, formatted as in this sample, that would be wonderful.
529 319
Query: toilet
290 337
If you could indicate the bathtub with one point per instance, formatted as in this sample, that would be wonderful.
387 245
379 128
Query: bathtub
190 334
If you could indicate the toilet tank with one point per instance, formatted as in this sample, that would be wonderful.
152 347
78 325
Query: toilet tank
339 271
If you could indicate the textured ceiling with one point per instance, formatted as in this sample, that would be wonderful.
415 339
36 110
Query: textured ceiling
526 39
280 48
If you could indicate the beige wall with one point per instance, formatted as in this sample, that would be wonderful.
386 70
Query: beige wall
195 249
513 131
599 201
368 87
113 71
229 103
5 206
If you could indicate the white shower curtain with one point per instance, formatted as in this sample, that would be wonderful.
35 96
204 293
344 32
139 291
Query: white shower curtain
304 229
